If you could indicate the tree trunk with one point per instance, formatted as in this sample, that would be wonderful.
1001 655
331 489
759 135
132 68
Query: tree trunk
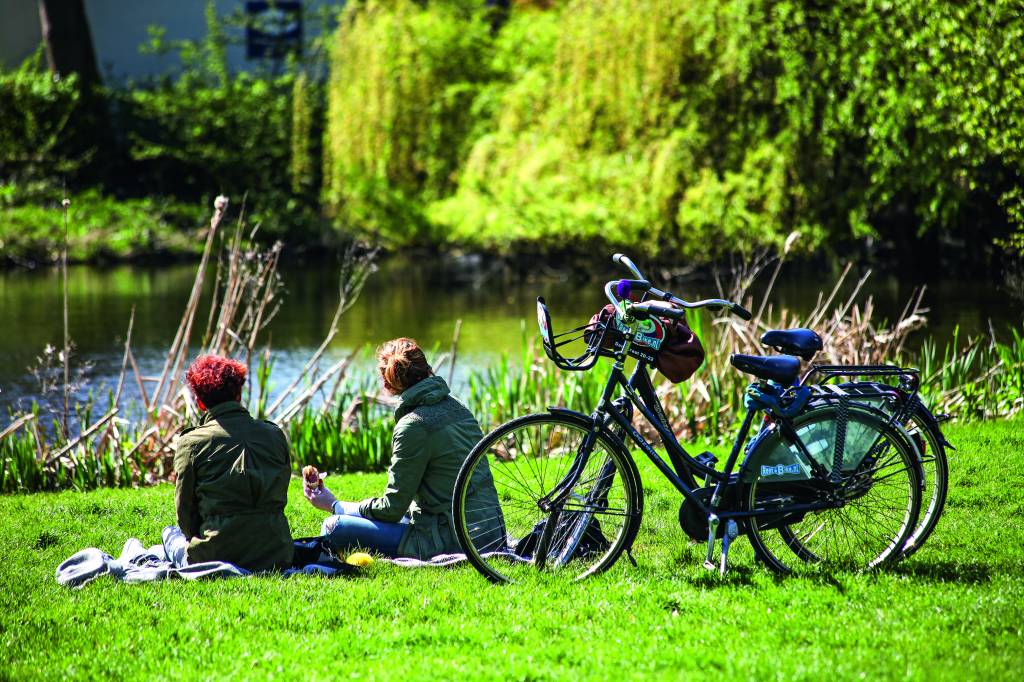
68 41
69 50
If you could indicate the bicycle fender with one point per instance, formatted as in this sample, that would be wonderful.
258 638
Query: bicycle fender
934 425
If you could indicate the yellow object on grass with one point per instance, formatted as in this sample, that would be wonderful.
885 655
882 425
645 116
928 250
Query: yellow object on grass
360 559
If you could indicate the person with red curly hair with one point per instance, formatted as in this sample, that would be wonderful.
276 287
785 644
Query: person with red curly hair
232 477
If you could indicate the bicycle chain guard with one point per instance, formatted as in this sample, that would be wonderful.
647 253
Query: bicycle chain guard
692 520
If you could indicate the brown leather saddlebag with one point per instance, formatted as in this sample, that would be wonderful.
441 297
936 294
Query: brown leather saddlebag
669 345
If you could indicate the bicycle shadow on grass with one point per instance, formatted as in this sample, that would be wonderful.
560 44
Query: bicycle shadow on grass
938 571
929 572
738 575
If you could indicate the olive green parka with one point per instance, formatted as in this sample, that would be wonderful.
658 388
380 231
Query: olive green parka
433 436
232 488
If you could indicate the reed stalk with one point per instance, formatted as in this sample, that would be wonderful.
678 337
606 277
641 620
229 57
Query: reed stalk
66 355
454 351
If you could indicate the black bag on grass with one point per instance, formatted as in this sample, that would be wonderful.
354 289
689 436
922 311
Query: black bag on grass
317 550
593 540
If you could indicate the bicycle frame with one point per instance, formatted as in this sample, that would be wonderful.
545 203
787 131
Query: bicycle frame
639 390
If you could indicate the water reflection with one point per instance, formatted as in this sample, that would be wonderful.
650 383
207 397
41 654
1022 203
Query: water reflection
406 297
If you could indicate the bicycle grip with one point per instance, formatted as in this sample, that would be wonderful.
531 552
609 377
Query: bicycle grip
740 312
644 310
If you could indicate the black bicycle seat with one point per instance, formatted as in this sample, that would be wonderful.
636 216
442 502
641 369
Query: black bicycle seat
783 369
802 342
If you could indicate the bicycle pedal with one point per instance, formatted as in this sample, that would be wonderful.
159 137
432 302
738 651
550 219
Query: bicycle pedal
706 459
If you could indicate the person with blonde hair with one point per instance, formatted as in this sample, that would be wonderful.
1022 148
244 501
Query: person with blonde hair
434 433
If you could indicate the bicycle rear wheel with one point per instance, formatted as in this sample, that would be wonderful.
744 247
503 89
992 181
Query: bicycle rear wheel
527 459
924 433
936 476
879 497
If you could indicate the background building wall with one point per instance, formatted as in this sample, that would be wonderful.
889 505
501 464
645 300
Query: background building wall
119 27
19 31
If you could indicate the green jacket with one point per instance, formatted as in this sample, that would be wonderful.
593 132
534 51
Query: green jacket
231 490
433 435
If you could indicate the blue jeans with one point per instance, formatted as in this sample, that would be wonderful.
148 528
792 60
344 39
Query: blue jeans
346 533
175 546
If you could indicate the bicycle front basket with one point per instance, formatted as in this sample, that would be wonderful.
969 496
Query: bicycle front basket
552 342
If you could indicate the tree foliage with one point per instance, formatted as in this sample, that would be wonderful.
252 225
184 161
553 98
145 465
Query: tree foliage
689 128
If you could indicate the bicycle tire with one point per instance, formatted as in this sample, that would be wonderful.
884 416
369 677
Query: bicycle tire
936 473
796 537
934 467
510 485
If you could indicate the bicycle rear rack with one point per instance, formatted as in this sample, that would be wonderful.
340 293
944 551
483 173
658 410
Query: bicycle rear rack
904 395
827 372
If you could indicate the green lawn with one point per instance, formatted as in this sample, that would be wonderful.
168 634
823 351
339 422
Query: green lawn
955 610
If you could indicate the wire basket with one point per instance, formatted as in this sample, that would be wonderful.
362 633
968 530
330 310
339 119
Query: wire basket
593 333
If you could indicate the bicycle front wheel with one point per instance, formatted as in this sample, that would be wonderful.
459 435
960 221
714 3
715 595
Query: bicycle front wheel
876 505
527 461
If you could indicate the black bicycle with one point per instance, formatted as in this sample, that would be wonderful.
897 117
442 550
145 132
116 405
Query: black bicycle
892 391
824 480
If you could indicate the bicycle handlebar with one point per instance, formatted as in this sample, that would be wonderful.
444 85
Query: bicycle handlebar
624 287
678 314
618 292
624 260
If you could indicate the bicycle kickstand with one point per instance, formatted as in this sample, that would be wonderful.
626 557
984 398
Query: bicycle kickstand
731 531
713 521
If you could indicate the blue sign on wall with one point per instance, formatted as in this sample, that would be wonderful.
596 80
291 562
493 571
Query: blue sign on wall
273 30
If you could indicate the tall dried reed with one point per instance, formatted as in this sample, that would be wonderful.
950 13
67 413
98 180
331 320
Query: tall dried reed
116 451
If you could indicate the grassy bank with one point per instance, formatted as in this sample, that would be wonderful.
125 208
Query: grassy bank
100 228
953 611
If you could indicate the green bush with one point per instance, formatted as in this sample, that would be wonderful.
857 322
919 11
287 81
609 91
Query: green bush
678 128
207 130
181 138
37 123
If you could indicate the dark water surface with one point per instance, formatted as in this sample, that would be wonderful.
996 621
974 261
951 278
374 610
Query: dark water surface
405 297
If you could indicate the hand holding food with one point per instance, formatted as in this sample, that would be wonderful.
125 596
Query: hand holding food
315 491
311 478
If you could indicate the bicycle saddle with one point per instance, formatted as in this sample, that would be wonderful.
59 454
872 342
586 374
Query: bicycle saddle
802 342
783 369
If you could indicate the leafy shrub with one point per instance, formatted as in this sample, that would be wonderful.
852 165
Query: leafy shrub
207 130
691 129
37 123
400 109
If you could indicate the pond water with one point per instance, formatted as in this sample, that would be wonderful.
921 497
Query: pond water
405 297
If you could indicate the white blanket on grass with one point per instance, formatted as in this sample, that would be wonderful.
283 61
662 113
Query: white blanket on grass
140 564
